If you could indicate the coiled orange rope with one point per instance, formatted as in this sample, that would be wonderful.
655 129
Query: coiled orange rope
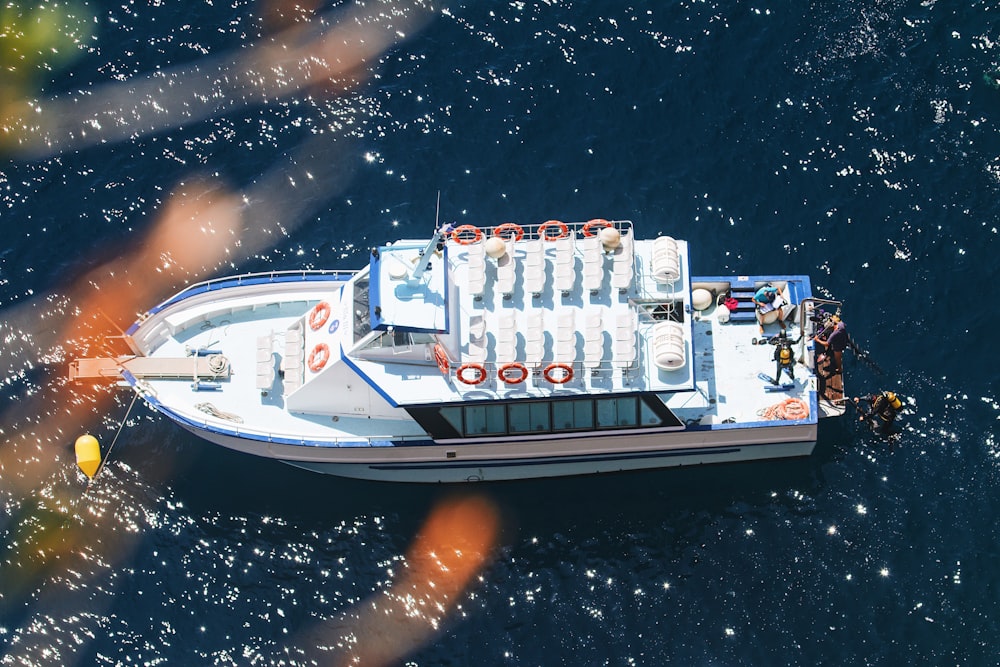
790 409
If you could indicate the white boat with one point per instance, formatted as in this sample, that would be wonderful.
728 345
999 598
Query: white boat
498 353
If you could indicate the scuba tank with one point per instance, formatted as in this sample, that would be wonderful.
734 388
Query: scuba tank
784 352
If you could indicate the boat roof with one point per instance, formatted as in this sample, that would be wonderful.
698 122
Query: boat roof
399 297
555 295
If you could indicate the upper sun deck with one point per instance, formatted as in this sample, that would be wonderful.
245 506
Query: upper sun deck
536 310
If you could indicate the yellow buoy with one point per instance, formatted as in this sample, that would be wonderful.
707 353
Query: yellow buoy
88 455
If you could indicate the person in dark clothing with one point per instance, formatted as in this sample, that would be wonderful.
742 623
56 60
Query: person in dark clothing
881 410
784 357
834 340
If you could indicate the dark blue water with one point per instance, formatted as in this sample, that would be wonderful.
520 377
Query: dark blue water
854 141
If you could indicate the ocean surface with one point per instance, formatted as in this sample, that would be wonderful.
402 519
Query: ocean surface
854 141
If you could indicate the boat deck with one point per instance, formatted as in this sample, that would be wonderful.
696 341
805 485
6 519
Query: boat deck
725 367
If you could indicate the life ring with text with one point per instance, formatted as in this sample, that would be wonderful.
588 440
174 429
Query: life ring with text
543 230
591 224
513 366
567 373
478 369
460 237
319 315
441 358
318 357
502 231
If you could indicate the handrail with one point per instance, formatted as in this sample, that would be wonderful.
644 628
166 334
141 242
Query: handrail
240 278
241 430
206 286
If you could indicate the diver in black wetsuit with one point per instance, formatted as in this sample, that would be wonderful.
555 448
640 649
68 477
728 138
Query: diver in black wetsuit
784 357
881 411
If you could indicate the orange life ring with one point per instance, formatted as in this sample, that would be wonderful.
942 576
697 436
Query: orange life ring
509 227
567 373
480 373
319 315
597 222
458 235
318 357
561 226
441 357
513 366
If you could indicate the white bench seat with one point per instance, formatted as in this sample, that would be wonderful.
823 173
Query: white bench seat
476 268
566 337
623 264
565 269
477 338
534 346
625 347
534 266
593 341
506 343
593 264
506 270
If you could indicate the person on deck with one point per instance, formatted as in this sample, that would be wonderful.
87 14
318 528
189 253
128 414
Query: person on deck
881 411
763 298
834 340
784 357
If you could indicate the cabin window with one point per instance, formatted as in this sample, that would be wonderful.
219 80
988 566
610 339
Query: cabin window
528 417
646 415
485 419
573 415
454 417
540 416
362 316
616 412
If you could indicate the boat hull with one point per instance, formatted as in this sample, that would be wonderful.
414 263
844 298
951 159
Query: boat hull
441 463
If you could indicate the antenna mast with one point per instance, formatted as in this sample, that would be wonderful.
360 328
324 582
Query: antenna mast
424 262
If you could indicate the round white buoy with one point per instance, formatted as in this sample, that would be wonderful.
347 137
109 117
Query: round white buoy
495 247
701 298
610 237
397 270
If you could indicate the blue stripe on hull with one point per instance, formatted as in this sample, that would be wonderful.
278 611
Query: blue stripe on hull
593 458
487 470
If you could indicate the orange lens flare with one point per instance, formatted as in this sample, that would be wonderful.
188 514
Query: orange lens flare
452 548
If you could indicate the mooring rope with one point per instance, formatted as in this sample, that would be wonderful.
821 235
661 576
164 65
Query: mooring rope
791 409
210 409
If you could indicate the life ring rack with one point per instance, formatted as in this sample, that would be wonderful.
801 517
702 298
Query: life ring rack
596 222
566 376
479 370
458 235
513 366
319 315
441 358
318 357
502 230
543 230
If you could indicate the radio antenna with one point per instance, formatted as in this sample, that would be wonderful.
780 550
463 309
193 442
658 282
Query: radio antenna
437 212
